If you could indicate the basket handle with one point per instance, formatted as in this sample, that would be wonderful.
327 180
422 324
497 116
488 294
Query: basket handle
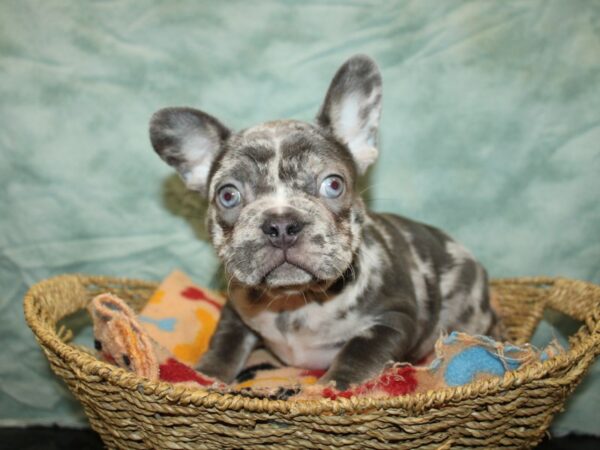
577 299
53 299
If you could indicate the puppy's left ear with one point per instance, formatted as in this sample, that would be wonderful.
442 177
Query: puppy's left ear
352 108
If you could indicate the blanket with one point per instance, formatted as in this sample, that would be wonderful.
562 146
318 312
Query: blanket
168 338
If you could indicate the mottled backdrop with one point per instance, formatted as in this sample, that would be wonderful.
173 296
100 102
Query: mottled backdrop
490 129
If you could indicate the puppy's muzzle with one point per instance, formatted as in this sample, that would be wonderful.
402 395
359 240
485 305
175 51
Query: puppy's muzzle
282 229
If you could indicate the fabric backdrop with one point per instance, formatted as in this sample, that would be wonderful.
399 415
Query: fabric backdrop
490 130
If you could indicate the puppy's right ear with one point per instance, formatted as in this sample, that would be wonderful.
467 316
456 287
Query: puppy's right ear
189 140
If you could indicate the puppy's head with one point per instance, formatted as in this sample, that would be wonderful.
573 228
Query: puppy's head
283 209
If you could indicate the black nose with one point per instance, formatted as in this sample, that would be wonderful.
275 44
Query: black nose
282 230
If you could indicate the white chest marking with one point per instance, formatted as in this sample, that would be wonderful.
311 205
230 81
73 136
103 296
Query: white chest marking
318 338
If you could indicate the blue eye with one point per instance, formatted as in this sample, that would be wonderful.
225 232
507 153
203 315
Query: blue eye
229 196
332 187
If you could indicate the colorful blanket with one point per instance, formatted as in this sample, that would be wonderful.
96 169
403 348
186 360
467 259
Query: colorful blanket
167 339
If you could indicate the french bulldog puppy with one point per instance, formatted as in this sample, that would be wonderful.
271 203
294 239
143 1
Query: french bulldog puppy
317 278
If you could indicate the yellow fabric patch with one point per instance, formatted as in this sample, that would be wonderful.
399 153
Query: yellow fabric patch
190 353
156 297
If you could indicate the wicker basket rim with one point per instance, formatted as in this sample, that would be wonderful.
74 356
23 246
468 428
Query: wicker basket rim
579 356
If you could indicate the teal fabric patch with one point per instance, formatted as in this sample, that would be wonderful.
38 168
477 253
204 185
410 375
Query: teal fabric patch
451 338
166 324
435 364
509 348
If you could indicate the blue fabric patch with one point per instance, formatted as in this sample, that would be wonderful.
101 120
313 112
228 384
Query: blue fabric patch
167 324
464 366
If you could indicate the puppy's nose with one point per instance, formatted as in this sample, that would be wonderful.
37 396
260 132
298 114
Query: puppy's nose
282 230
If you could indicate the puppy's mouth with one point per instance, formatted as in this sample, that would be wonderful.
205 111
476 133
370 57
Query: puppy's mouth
286 271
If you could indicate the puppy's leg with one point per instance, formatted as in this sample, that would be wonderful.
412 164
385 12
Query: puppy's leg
365 355
229 347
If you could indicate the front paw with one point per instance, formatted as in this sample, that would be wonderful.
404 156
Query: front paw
216 371
341 382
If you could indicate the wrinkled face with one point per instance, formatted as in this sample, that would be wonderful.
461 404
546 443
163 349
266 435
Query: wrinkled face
283 211
283 207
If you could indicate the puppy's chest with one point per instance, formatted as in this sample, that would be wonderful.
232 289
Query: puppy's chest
312 335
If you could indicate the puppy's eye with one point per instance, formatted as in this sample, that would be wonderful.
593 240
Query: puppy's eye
332 187
229 196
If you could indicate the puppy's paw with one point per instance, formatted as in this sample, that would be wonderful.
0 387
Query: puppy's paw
341 382
216 371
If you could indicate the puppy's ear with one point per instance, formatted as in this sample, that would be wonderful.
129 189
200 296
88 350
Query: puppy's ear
352 108
188 140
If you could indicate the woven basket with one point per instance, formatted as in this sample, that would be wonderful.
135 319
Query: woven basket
134 413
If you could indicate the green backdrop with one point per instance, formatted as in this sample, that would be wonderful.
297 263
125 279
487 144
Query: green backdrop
490 130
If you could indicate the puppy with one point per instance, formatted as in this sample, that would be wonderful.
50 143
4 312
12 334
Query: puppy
313 275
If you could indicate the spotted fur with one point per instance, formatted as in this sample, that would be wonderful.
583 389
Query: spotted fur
354 290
